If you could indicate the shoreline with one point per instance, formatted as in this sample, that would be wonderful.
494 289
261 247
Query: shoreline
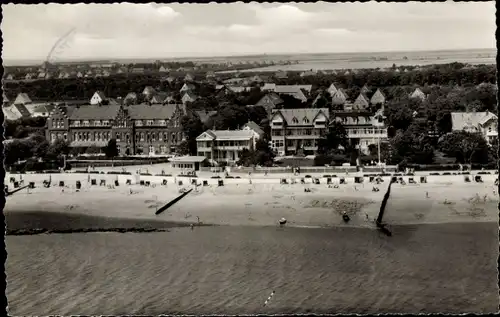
102 208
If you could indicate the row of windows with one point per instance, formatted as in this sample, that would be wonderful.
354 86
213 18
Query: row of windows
58 123
89 136
160 136
90 123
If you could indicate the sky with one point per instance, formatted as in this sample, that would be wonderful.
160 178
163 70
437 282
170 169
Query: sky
125 30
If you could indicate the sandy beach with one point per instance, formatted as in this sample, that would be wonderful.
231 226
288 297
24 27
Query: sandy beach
444 199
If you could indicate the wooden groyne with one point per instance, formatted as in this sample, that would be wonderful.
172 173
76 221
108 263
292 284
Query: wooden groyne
379 223
173 201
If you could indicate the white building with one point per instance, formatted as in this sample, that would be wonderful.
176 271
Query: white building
225 145
97 98
485 123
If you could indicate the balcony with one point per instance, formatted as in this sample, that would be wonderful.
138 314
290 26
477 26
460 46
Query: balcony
303 137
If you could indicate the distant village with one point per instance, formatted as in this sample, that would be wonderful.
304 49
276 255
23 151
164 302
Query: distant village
150 122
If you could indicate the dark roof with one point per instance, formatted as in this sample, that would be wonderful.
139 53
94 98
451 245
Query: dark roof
154 111
96 112
23 110
205 115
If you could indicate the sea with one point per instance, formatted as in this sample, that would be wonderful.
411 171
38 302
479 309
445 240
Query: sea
323 61
446 268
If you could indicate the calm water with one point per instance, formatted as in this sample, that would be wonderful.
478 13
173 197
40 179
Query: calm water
426 268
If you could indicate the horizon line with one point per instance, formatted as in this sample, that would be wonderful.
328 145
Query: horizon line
238 55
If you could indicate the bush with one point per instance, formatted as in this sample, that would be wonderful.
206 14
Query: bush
308 176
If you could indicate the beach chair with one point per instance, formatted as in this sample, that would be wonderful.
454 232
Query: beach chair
496 182
46 183
371 179
102 182
128 182
116 183
221 183
293 181
142 183
328 180
302 181
205 183
179 183
467 179
283 181
164 182
148 183
61 183
78 185
423 179
342 181
478 179
93 182
411 180
12 179
193 182
32 185
16 184
358 180
316 181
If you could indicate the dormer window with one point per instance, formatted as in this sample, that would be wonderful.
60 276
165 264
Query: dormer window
97 123
138 123
305 120
150 122
294 120
105 122
86 123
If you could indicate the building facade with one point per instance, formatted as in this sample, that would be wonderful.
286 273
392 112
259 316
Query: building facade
298 130
485 123
225 145
138 129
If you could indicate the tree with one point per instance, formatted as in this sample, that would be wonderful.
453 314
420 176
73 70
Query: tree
412 146
58 148
192 128
465 147
335 137
111 149
262 155
183 148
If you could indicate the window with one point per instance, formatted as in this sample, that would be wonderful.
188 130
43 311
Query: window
150 122
160 136
77 123
86 123
163 122
294 120
138 123
165 136
173 137
97 123
142 136
105 122
118 136
305 120
153 137
53 137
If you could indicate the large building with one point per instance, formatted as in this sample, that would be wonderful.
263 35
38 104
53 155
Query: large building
485 123
295 130
138 129
226 145
363 127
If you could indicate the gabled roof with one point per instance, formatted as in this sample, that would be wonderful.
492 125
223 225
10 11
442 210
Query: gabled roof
23 110
362 100
465 120
254 126
309 113
223 135
94 112
11 113
100 94
154 111
22 98
332 89
364 89
159 97
378 96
